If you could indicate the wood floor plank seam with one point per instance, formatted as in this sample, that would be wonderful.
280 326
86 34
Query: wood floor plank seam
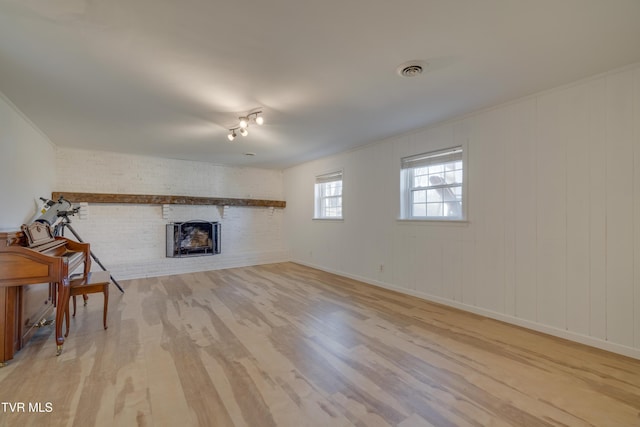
287 345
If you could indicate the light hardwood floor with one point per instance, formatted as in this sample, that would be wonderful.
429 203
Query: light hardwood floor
287 345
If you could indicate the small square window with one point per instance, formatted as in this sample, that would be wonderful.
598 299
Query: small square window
433 185
328 196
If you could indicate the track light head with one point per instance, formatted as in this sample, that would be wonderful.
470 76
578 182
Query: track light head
243 124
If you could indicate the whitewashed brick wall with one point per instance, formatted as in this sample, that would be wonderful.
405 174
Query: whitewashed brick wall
130 239
103 172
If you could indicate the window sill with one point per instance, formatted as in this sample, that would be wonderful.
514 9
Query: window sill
328 219
433 221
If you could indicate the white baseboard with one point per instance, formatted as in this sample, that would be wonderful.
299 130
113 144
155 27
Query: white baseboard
539 327
170 266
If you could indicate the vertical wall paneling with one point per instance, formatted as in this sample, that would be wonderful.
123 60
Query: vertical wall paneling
403 257
619 208
525 212
414 270
430 262
636 205
488 178
403 249
596 143
425 267
509 207
21 143
551 209
361 239
460 137
552 237
469 278
468 234
452 272
577 125
387 204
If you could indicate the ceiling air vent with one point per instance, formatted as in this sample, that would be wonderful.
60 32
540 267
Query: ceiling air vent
411 68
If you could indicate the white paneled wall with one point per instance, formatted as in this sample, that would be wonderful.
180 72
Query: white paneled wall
552 240
26 168
130 239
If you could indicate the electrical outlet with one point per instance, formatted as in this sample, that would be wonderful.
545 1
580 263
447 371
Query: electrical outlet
381 268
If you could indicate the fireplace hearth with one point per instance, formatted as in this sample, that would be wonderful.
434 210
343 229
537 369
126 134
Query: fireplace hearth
193 238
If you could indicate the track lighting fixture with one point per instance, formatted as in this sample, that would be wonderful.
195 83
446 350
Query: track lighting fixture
243 124
255 117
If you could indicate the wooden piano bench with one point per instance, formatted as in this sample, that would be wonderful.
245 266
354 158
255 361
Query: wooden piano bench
96 281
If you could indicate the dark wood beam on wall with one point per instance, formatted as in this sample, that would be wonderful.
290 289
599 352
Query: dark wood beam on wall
149 199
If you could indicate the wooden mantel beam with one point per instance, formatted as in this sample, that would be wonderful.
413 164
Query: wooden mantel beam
148 199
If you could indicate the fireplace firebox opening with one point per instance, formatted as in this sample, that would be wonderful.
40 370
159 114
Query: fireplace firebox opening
193 238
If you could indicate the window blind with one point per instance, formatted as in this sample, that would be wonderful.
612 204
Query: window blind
329 177
432 158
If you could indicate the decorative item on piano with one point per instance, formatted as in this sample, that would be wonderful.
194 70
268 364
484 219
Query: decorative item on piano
56 215
53 212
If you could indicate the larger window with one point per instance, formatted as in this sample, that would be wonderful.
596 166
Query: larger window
432 185
328 200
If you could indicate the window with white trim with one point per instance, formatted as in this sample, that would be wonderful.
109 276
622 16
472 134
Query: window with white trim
432 185
328 199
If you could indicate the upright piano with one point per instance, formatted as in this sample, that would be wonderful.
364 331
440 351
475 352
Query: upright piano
31 258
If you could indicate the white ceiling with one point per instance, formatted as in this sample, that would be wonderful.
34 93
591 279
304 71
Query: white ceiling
168 78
